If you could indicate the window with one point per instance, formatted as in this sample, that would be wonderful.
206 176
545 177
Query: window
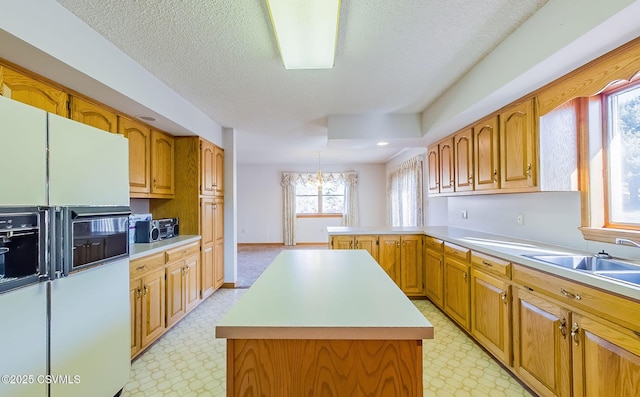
326 200
622 151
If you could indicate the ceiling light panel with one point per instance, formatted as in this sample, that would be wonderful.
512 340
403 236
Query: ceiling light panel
306 32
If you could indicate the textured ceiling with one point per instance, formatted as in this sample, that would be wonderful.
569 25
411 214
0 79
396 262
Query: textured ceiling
221 55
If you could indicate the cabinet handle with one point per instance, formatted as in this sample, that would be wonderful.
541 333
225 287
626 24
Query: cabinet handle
495 176
146 290
487 263
141 267
464 276
563 328
529 170
503 296
570 295
470 179
636 333
154 183
139 293
398 244
351 244
574 333
356 245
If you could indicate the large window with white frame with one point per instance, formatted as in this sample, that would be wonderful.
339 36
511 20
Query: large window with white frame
319 199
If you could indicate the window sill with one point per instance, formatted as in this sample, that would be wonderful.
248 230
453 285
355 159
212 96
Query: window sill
607 235
318 215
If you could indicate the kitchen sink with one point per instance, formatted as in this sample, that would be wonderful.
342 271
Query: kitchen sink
599 266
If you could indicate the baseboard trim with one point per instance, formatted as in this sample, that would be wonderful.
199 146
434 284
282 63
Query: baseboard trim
228 285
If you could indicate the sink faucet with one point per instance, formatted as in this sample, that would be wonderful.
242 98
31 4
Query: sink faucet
626 241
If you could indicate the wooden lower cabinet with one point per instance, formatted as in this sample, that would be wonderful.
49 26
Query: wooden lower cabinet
163 288
389 256
411 266
456 291
342 242
153 307
541 343
491 314
606 358
434 277
369 243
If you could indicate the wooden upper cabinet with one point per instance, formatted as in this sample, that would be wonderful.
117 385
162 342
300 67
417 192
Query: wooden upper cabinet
486 155
207 168
518 146
162 164
219 171
91 114
433 165
25 89
463 160
447 164
139 136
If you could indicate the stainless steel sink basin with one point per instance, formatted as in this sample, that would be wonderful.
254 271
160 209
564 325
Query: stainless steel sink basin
605 267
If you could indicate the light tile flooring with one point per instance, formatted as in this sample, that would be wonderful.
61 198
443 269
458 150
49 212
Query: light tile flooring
189 361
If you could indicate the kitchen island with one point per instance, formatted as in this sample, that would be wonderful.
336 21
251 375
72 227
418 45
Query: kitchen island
324 323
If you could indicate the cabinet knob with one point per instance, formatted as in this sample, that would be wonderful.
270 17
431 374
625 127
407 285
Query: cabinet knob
146 290
495 176
563 328
503 296
139 293
529 170
574 333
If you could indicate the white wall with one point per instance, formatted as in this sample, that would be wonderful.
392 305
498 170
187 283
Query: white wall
259 200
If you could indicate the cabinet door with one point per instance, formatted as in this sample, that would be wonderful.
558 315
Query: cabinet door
162 163
207 271
541 344
208 168
153 307
486 155
446 166
218 247
192 282
219 171
25 89
606 359
433 164
207 221
456 290
139 137
491 314
342 242
434 274
369 243
135 299
176 304
411 274
389 256
463 160
93 115
518 146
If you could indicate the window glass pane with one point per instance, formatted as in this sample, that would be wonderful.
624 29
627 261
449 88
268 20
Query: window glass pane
332 204
307 204
624 157
306 189
332 188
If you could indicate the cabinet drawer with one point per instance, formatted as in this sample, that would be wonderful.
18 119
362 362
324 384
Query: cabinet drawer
433 243
181 252
491 264
615 308
146 264
456 251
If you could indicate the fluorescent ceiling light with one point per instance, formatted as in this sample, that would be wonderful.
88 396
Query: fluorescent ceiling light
306 31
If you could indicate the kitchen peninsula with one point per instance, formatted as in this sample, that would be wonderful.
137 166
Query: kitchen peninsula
328 323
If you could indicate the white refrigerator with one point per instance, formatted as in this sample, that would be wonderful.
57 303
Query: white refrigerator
71 333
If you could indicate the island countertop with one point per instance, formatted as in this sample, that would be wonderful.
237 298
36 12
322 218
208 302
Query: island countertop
324 294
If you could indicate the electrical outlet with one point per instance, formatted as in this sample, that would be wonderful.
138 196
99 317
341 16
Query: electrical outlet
465 215
520 219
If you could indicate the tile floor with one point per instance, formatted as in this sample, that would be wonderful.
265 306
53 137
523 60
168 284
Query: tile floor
189 361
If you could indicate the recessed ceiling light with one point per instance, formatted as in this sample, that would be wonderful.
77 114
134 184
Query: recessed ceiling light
147 118
382 143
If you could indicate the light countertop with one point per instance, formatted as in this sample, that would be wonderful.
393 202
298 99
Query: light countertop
140 250
324 294
508 248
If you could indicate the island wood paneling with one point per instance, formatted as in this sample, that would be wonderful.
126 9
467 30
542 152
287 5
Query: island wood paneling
324 368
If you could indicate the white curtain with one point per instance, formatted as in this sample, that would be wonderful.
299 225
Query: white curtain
404 194
289 208
289 182
350 209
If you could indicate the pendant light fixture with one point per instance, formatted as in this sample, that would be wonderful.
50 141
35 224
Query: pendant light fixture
306 32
